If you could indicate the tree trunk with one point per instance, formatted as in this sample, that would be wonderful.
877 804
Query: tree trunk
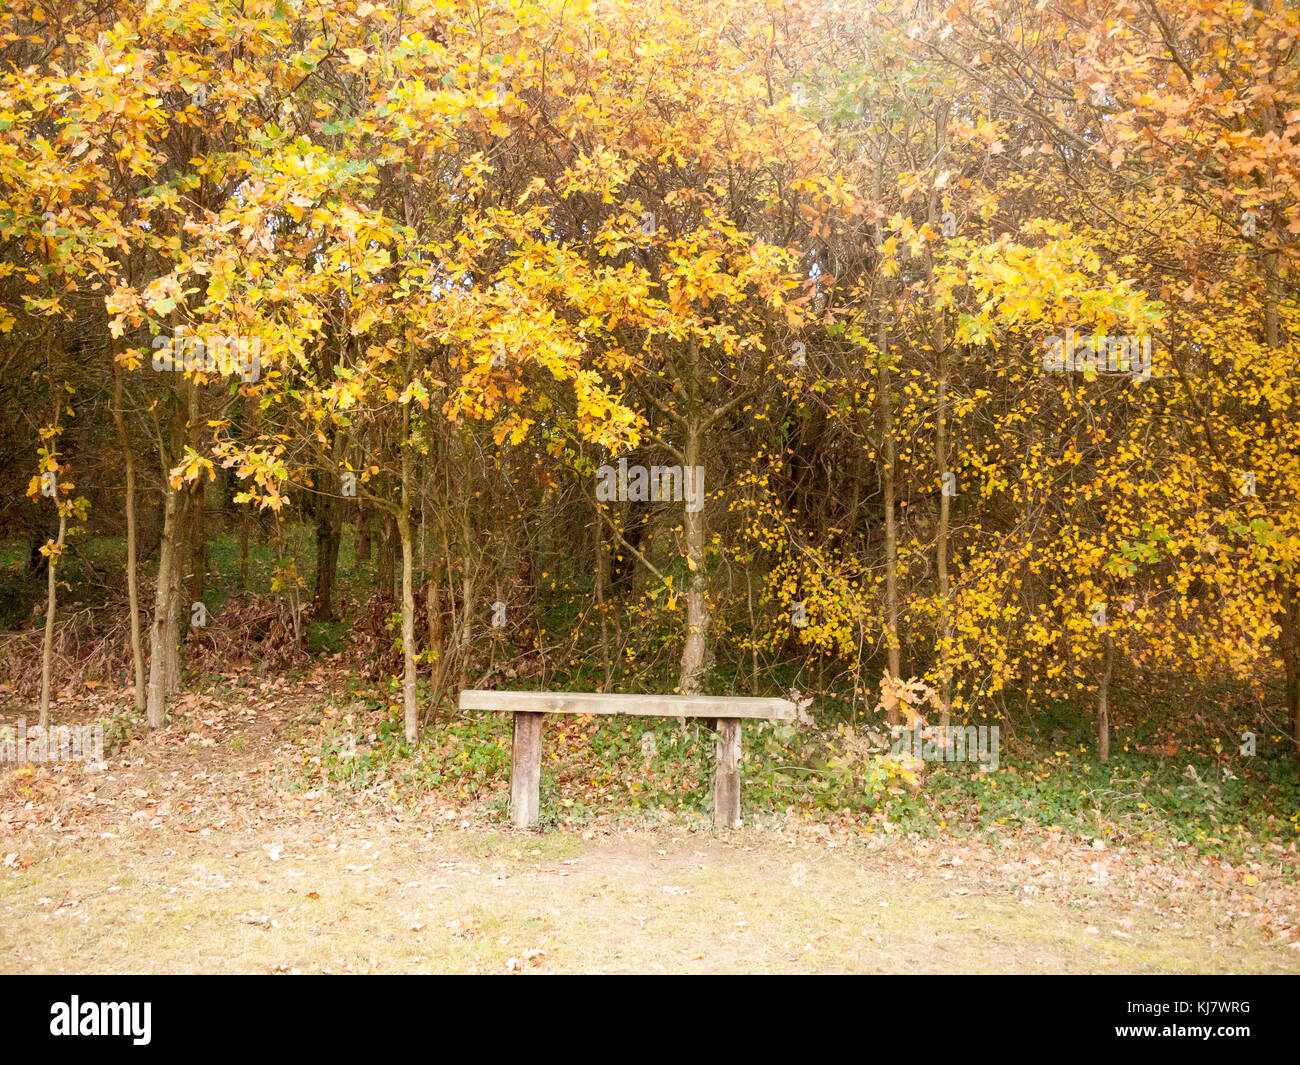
941 462
891 523
468 576
602 578
433 614
165 626
189 532
198 544
885 398
1289 644
1103 703
245 518
695 651
132 589
362 533
162 646
51 606
328 530
410 709
246 515
178 613
385 576
941 548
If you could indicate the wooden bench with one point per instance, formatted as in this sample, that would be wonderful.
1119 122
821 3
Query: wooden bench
529 708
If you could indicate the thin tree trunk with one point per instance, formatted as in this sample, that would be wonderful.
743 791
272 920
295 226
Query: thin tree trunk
164 629
329 528
1289 619
362 536
410 709
385 573
941 460
1103 703
602 576
244 520
177 615
695 650
433 613
132 588
885 398
164 610
327 562
246 515
465 628
465 632
198 544
51 606
191 500
941 547
753 631
362 533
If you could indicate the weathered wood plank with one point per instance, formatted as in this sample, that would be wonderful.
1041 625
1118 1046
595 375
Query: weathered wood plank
726 776
719 706
526 770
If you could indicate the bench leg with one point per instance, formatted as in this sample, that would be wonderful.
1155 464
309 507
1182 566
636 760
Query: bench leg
726 780
526 769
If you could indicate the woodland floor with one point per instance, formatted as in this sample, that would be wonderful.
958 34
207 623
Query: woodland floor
190 854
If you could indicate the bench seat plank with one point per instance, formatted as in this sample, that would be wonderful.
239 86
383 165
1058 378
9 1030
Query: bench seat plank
719 706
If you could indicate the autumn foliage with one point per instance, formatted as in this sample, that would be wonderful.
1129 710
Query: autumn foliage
979 319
